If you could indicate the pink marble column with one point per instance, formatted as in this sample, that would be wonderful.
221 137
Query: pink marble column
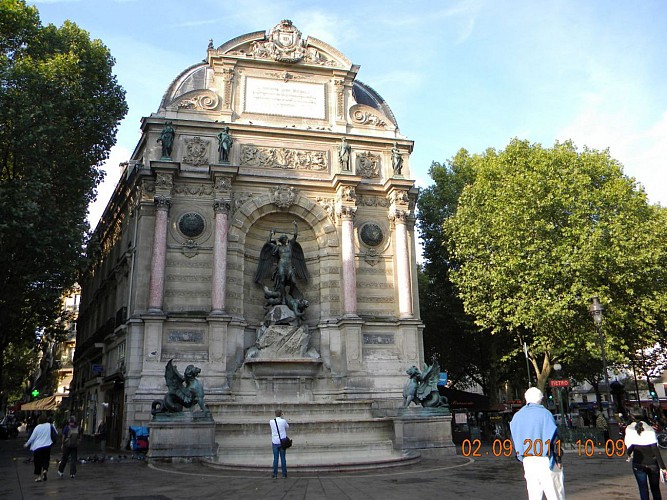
403 266
159 254
218 286
349 284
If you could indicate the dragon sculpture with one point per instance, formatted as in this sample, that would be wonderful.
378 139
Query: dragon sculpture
184 391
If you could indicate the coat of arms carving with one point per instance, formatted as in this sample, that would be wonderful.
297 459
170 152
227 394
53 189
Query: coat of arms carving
196 152
286 43
283 196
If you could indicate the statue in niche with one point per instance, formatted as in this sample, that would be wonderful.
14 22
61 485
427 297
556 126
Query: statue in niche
183 391
344 151
167 139
225 142
422 388
290 262
396 159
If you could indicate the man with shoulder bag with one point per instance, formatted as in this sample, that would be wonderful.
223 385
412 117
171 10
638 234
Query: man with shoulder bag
280 442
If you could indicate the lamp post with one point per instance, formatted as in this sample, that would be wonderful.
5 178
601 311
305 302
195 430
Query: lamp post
597 312
557 369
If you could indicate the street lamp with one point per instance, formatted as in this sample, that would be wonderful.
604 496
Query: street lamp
597 312
557 369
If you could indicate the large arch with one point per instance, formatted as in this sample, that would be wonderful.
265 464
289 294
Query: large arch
249 229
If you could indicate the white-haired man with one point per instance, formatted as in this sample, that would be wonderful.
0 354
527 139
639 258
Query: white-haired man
537 446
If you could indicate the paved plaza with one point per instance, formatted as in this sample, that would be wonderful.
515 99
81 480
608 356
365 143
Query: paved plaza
127 478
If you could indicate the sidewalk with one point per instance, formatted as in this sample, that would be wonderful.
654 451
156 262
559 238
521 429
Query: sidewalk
125 478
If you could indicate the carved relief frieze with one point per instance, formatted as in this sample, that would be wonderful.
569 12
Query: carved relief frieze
239 199
147 191
193 189
222 183
340 98
365 115
347 194
283 196
198 100
267 157
228 79
196 151
372 201
368 165
164 182
286 76
371 256
329 206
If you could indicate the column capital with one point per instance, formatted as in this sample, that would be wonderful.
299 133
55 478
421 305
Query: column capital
162 202
346 212
222 206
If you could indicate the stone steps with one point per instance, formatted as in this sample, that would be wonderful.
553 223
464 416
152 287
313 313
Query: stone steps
339 435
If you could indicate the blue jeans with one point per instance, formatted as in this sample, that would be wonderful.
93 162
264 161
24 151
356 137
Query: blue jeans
278 451
646 476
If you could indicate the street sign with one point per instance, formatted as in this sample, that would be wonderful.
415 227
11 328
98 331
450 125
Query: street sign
559 383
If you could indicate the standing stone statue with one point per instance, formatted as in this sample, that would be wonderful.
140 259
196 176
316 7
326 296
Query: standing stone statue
167 140
396 159
344 155
225 142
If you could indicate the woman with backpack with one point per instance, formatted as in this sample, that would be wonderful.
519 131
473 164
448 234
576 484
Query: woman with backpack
71 435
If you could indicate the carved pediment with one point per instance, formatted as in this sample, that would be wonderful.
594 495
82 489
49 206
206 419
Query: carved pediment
198 100
366 115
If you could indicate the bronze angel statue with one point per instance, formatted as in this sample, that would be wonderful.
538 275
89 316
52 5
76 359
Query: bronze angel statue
184 391
290 265
422 388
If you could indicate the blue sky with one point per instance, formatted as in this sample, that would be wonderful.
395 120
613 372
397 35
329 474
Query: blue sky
457 73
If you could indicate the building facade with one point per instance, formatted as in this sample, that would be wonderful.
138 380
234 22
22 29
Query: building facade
273 131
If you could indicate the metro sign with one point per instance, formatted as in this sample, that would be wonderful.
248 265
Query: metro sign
559 383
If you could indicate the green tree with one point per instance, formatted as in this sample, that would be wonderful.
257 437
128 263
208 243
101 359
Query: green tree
539 232
60 106
470 355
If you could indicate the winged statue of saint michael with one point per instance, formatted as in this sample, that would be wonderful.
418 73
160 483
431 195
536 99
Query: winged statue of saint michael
290 264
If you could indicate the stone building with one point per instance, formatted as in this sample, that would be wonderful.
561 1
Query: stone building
272 128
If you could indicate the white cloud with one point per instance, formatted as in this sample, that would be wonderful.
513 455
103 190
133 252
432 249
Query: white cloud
640 148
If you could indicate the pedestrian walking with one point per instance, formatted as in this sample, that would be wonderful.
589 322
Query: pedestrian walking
102 436
537 446
70 448
647 464
40 442
279 428
602 424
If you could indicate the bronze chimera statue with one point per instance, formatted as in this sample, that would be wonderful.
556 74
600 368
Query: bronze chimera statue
422 388
184 391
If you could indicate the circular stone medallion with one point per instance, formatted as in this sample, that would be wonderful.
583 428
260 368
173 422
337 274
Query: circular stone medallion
191 224
371 234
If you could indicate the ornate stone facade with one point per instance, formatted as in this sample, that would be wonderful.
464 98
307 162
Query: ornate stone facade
182 236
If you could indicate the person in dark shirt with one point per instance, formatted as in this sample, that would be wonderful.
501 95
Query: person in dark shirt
647 463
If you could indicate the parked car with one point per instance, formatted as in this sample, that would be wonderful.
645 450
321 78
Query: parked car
9 427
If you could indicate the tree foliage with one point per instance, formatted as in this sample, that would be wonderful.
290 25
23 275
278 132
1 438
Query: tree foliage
542 230
60 106
470 354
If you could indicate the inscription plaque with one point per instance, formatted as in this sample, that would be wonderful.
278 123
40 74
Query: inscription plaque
274 97
189 336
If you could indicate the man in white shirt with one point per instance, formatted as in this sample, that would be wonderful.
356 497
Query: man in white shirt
279 428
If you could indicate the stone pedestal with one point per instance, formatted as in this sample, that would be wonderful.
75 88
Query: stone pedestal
187 436
427 431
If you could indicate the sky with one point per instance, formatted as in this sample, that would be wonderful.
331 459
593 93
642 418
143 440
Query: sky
457 74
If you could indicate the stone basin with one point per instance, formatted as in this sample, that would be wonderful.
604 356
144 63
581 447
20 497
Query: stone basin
284 368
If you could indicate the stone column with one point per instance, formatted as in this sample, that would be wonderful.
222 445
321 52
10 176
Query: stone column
349 284
402 264
219 279
159 258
